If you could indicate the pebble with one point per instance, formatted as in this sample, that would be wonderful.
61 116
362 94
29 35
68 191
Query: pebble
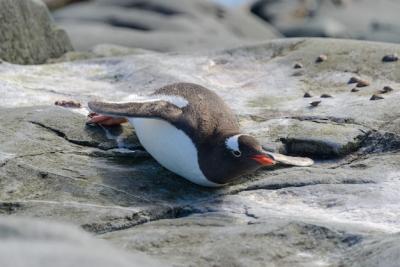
376 97
390 58
321 58
353 80
386 89
362 83
298 66
307 94
68 103
326 96
354 90
315 103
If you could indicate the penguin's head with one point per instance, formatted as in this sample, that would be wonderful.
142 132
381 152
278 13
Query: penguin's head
246 150
235 156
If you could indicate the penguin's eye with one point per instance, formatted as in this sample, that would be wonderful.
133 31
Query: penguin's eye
236 153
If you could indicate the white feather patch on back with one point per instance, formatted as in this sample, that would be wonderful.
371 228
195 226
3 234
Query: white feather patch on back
233 142
178 101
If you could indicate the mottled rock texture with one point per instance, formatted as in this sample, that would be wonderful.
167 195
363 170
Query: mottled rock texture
342 211
28 34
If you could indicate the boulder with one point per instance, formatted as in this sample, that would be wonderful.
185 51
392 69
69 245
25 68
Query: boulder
161 25
364 19
28 34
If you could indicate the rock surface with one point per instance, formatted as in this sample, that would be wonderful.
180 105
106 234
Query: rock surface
161 25
27 33
356 19
342 211
34 243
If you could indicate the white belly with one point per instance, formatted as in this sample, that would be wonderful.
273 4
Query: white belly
171 147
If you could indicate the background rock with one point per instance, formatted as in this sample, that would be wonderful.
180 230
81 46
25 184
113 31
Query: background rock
27 33
361 19
333 213
161 25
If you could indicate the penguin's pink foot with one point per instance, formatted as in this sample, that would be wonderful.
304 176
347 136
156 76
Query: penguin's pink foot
95 118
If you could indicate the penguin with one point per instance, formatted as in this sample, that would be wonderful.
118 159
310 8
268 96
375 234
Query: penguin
192 132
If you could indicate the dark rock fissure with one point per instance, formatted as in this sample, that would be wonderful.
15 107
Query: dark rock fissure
64 136
277 186
140 218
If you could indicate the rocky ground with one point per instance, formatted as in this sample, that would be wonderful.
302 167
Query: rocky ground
343 211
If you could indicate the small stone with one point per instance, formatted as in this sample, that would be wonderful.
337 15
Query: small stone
326 96
307 95
321 58
298 66
386 89
354 90
362 83
315 103
390 58
353 80
298 73
67 103
376 97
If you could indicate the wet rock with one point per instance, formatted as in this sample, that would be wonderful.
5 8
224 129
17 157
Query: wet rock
354 90
28 34
307 95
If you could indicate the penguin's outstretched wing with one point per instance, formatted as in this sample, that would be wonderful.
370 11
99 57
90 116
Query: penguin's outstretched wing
161 109
288 160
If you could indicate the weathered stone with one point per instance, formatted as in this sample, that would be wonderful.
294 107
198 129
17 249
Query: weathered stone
27 33
334 213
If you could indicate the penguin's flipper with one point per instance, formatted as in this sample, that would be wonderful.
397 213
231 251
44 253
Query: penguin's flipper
161 109
293 161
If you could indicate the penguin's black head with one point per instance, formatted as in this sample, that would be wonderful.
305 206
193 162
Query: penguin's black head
246 150
234 156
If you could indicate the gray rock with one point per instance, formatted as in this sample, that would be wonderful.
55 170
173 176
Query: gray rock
34 243
27 33
161 25
334 213
365 19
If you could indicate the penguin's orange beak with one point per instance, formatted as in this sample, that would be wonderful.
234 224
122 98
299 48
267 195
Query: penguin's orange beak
263 160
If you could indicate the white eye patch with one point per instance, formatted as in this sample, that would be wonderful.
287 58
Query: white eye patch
232 142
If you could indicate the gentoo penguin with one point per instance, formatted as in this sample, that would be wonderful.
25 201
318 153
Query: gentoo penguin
190 131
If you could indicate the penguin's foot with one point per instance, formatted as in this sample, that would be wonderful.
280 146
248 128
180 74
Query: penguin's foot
94 118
